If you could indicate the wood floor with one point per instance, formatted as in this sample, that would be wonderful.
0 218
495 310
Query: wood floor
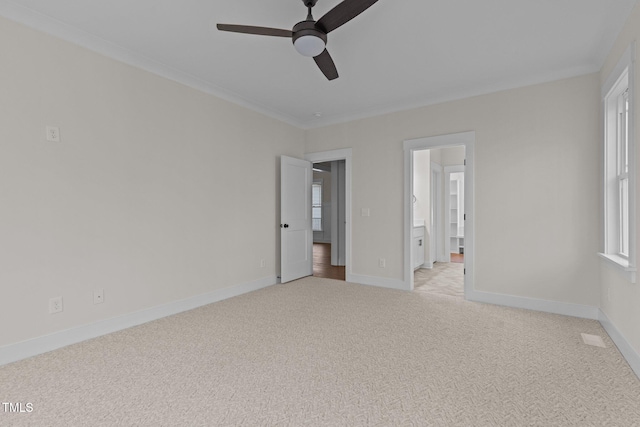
322 263
457 258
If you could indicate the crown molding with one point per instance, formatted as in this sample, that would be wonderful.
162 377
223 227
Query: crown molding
602 50
56 28
450 96
69 33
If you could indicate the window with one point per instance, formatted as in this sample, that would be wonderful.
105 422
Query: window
316 205
622 173
619 167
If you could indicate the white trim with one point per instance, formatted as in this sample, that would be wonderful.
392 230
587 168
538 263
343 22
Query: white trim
621 265
437 238
627 58
447 215
556 307
346 155
442 141
335 210
338 218
450 95
631 356
624 67
22 350
607 41
448 170
381 282
321 240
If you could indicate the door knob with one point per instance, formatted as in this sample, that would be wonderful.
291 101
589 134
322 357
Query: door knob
284 226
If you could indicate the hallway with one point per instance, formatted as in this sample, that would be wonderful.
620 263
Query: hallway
322 263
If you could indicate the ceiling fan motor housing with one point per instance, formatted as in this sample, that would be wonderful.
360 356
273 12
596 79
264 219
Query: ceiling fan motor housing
306 38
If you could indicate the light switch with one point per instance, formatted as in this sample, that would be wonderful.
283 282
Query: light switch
366 212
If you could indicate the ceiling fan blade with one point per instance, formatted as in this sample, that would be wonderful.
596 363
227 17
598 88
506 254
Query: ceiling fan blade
261 31
343 13
326 65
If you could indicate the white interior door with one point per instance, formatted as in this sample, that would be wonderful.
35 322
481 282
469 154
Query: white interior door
296 236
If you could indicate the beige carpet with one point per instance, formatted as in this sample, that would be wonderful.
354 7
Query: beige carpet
445 278
330 353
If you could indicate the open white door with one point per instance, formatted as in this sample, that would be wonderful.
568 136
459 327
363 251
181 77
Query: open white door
296 237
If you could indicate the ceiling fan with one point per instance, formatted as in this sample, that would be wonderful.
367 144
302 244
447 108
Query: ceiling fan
309 36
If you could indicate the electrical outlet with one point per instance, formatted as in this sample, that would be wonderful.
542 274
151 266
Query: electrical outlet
98 296
53 134
263 263
55 305
382 263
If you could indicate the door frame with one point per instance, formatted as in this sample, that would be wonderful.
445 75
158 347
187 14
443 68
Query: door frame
448 170
467 139
338 208
436 239
346 155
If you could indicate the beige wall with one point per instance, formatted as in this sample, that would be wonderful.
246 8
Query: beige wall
536 180
152 192
452 156
156 193
620 298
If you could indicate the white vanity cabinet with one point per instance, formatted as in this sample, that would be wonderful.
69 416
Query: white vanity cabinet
418 246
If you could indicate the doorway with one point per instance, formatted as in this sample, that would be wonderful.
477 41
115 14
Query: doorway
442 150
332 216
328 219
438 205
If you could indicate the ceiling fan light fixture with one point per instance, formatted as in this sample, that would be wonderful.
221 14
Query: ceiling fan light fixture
309 45
309 37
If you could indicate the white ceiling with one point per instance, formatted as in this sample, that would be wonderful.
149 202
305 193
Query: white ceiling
398 54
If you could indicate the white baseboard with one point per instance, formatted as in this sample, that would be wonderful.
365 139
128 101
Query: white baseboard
567 309
632 357
22 350
556 307
381 282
